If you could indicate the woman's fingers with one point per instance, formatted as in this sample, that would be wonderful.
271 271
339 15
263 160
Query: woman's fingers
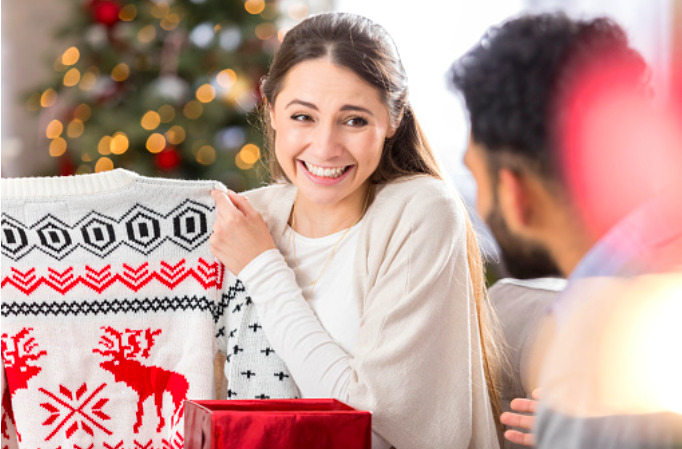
241 203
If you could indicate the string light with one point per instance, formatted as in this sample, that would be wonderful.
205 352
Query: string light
205 93
170 21
82 112
120 72
146 34
119 143
160 9
166 113
247 156
70 56
193 109
54 129
226 78
150 120
57 147
86 157
88 80
176 135
104 164
206 155
156 143
72 77
128 13
265 31
254 6
104 146
75 128
48 98
250 153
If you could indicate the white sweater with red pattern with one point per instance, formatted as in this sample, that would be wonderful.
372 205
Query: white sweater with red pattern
113 309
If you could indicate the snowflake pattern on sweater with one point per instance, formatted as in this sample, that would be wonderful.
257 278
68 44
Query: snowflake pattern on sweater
113 309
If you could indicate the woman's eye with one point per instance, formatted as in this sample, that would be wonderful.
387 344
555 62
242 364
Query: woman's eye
356 121
301 117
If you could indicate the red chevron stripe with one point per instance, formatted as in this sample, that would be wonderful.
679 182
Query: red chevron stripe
208 275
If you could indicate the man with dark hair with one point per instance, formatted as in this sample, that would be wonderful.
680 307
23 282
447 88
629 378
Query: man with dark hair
545 94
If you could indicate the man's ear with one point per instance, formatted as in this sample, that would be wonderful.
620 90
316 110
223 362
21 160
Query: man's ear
515 199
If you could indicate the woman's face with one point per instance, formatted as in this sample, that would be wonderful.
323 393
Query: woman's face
330 126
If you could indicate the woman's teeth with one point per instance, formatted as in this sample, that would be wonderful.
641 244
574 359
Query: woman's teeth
324 172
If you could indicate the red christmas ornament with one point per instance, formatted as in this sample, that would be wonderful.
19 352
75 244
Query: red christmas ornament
65 166
105 11
168 159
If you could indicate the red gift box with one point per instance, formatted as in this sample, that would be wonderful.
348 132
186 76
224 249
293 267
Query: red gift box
276 424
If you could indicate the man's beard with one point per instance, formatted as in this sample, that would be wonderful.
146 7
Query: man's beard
522 258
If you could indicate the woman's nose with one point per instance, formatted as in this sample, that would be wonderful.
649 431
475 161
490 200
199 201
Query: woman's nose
327 142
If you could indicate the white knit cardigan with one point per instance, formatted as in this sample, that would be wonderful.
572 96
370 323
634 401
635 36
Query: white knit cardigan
417 364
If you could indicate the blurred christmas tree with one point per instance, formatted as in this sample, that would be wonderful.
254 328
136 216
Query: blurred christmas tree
161 87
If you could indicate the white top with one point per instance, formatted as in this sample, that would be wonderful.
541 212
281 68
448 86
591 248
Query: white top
416 362
333 302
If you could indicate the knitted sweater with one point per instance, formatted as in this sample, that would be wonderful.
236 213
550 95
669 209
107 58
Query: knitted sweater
113 309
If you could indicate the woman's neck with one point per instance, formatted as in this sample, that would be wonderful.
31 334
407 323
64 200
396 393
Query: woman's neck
316 220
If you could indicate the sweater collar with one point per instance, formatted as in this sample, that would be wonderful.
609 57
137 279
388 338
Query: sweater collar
60 186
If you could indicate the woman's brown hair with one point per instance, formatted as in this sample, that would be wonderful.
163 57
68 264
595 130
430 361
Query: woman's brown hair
363 46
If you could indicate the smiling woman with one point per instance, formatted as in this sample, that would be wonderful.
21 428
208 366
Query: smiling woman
360 260
330 128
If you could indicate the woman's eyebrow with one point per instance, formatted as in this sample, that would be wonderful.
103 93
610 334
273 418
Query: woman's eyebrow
345 107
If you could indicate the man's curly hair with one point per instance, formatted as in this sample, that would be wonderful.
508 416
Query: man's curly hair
513 81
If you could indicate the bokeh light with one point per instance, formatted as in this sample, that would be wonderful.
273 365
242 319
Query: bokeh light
48 98
71 56
54 129
119 143
104 164
75 128
150 120
57 147
72 77
254 6
205 93
193 109
104 145
176 134
120 72
206 155
155 143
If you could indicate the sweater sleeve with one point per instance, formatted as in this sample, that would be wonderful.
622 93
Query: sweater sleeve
417 362
319 365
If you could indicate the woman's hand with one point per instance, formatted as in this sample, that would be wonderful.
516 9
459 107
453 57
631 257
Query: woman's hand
524 419
239 232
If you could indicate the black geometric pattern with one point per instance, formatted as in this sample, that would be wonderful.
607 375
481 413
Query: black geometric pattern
108 307
140 228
